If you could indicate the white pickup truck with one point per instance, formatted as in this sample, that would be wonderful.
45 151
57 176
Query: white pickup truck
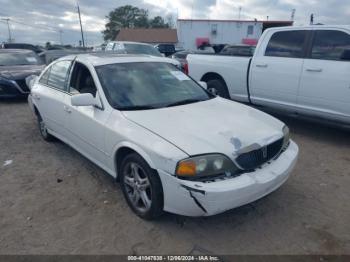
301 70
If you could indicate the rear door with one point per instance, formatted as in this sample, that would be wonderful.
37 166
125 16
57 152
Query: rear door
325 83
51 95
276 68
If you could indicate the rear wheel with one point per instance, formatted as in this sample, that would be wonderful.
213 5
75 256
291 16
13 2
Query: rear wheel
217 86
141 187
43 130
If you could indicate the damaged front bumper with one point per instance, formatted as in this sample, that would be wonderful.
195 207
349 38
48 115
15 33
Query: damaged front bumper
191 198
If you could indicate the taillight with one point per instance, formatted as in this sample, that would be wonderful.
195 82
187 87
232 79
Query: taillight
185 68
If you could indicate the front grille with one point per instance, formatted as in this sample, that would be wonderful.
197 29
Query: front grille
258 157
22 84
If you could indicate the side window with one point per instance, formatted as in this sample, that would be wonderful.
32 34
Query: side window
287 44
228 51
82 81
43 79
59 75
331 45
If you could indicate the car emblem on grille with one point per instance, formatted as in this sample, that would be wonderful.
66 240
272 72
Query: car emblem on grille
264 151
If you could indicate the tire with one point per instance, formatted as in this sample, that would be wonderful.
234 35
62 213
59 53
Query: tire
144 194
43 130
219 87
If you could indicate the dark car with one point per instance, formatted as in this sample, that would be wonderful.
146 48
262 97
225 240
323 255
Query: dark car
15 66
34 48
166 49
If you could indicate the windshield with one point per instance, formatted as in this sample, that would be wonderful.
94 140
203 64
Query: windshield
149 85
14 58
141 49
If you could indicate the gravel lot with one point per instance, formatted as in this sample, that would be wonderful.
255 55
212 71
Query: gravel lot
54 201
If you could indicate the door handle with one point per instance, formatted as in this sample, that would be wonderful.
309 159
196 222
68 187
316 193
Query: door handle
262 65
316 70
67 109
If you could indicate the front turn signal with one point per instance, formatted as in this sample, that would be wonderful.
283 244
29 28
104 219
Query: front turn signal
186 168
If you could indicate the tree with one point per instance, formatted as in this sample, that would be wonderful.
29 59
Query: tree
158 22
170 21
129 16
125 17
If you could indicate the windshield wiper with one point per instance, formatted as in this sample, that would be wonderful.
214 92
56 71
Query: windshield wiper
184 102
132 108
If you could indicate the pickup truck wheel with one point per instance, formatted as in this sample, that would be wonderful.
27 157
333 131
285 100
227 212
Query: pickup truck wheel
141 187
43 130
218 86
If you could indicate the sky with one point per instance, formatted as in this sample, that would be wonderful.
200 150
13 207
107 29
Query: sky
39 21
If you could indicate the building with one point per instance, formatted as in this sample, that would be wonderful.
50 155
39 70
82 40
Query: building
148 35
194 32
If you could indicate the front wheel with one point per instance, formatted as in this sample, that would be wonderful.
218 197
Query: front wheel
217 86
141 187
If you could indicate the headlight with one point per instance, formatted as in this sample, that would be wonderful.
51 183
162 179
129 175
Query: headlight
205 165
286 136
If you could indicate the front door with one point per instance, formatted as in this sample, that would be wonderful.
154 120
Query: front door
276 68
86 123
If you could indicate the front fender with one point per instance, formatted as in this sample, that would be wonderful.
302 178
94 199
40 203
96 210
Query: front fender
134 147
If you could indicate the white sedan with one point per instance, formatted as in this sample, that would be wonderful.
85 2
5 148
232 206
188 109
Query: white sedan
172 145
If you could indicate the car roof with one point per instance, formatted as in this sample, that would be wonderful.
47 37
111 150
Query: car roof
8 50
104 58
309 27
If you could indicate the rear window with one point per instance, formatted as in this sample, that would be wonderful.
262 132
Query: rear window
238 50
141 49
181 55
287 44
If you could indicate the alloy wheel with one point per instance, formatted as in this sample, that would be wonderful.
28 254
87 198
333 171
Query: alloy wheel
138 187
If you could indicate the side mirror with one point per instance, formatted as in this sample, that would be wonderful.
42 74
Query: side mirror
30 80
345 55
203 84
85 100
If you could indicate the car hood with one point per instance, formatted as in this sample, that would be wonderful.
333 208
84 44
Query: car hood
213 126
20 71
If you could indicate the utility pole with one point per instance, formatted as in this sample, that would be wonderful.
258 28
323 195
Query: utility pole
293 14
8 27
81 26
311 19
239 13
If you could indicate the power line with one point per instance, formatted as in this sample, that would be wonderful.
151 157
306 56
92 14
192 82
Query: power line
37 26
43 27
